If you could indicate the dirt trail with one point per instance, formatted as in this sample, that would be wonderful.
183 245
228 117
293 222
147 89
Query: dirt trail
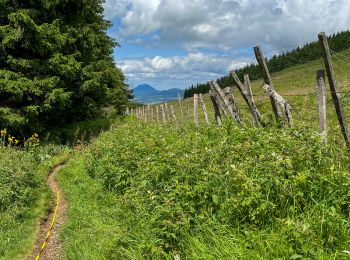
53 246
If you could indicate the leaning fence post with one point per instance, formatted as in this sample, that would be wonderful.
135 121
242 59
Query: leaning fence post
268 80
222 96
281 102
216 108
219 100
321 102
204 108
195 109
334 87
246 96
255 111
232 101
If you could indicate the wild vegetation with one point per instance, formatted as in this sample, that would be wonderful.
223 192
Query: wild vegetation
154 191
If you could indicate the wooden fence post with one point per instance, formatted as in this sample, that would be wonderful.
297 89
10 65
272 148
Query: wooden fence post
173 113
188 110
216 108
222 96
152 114
157 113
167 115
334 87
204 109
231 98
321 102
195 109
163 113
281 102
257 114
268 80
180 105
219 101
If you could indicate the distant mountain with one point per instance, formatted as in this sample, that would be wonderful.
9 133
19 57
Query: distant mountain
147 94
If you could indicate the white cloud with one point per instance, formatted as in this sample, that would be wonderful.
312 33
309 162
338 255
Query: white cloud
230 23
219 25
182 71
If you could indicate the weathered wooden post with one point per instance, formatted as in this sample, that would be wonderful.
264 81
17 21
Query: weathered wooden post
225 101
166 109
180 105
152 114
173 114
204 109
157 113
321 102
216 108
195 109
218 100
247 94
334 87
231 99
188 110
148 109
268 80
163 113
280 101
255 111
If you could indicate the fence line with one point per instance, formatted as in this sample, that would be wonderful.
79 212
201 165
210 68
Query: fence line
224 106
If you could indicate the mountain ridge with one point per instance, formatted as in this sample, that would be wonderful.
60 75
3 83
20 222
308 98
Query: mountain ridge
147 94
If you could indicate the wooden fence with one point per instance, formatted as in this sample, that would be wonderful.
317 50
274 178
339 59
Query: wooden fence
225 107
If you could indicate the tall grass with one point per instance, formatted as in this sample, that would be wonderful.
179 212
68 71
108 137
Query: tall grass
149 191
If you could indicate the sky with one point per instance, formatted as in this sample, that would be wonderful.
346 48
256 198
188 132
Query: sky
177 43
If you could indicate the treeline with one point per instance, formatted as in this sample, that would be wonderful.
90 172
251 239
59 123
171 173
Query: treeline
56 65
309 52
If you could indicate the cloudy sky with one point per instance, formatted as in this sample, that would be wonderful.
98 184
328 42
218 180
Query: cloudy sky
176 43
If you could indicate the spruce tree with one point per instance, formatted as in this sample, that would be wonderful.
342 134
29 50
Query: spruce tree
56 63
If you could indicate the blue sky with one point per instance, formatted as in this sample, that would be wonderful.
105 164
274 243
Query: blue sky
176 43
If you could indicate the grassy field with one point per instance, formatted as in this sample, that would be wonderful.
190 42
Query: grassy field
153 192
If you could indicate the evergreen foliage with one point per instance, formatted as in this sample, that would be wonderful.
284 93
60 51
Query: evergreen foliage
56 64
301 55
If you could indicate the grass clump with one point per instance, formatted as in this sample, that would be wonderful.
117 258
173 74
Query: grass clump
150 191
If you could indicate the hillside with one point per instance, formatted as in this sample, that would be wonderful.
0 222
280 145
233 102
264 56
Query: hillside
279 60
146 94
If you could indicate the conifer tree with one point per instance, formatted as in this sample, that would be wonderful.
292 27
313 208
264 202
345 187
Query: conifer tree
56 63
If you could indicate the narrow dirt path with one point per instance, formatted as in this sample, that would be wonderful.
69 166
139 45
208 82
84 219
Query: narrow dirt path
53 245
